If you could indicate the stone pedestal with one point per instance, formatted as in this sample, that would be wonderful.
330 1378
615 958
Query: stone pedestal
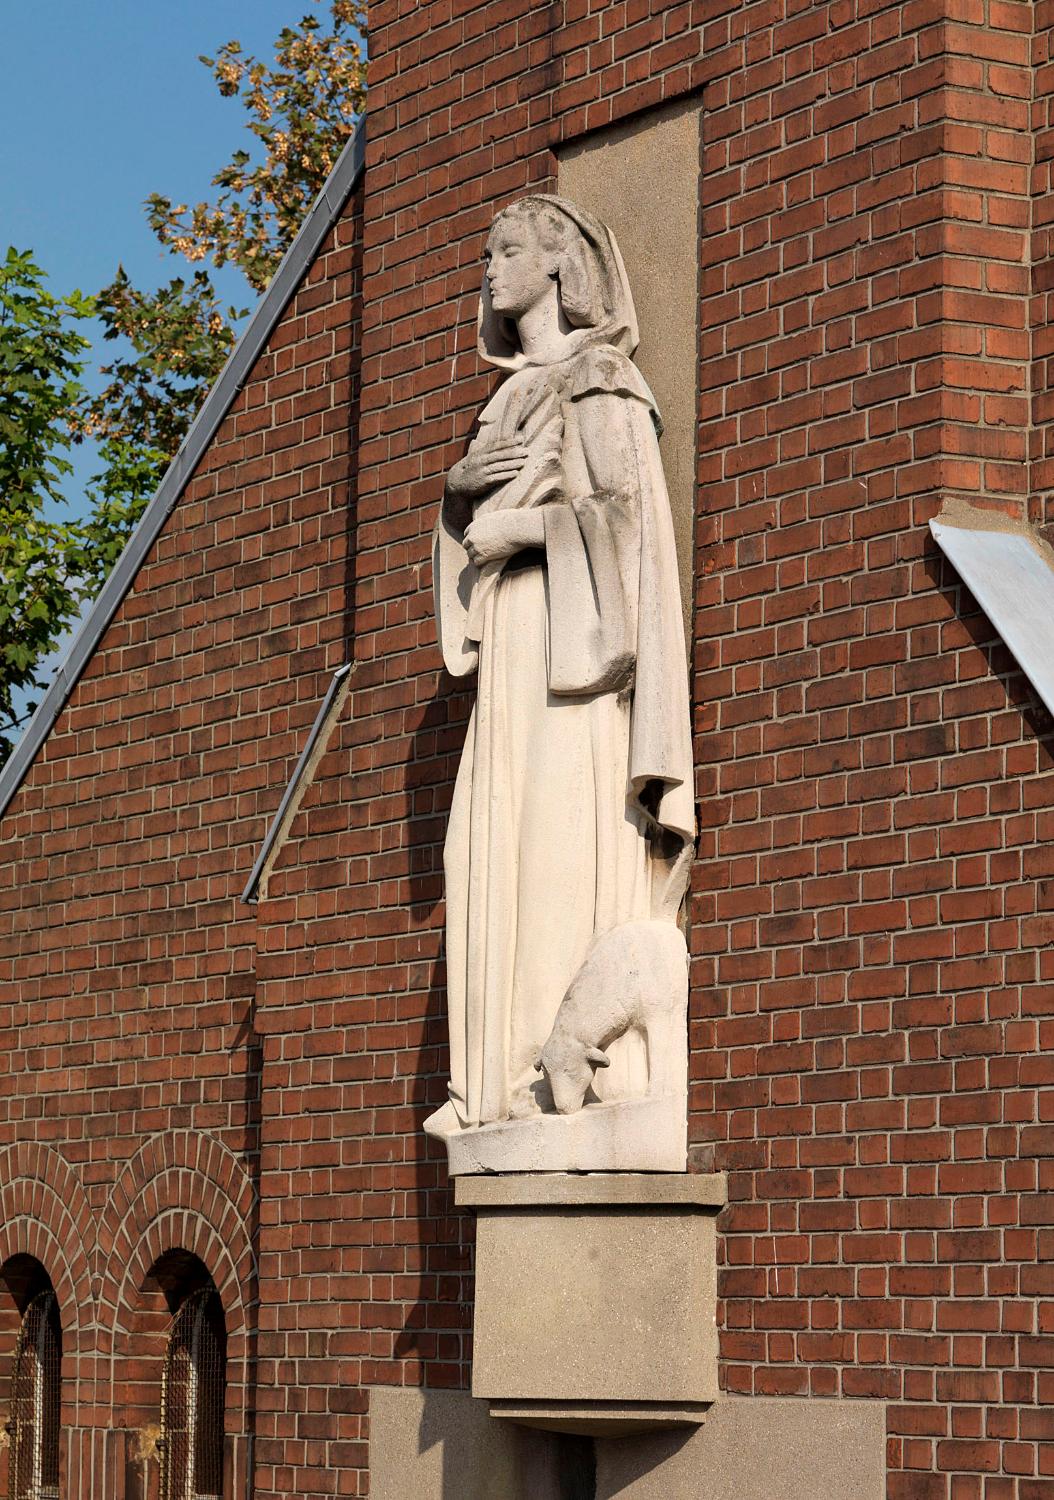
632 1135
595 1298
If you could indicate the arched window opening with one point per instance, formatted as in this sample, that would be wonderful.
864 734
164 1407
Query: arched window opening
193 1390
36 1399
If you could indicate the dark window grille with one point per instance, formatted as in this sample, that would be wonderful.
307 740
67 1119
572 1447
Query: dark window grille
193 1389
36 1400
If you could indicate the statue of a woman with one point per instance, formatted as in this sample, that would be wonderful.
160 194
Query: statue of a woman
556 579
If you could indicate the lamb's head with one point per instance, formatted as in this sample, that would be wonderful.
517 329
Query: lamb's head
569 1066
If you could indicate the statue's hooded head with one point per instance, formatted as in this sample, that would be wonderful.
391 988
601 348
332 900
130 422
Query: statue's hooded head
595 298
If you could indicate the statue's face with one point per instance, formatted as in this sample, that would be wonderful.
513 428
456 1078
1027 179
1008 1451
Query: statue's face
519 271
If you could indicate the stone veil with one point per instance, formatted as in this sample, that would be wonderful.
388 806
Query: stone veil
556 581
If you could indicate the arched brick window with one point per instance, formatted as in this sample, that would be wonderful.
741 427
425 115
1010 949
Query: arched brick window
36 1395
193 1391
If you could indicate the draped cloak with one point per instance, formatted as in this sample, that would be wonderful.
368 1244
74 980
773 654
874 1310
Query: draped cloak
578 753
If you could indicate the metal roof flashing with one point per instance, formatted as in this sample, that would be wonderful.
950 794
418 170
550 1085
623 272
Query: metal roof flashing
1009 569
321 217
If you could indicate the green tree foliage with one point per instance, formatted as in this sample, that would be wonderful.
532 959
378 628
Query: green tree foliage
301 111
171 343
43 561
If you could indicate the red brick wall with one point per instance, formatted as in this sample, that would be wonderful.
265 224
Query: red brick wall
130 1064
871 913
869 929
466 103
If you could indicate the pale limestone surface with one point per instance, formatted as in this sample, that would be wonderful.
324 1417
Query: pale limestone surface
601 1419
755 1448
641 178
569 841
442 1445
549 1325
571 1190
634 978
1009 568
636 1135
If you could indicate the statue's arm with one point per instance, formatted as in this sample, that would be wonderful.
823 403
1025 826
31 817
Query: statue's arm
484 467
593 549
497 536
609 427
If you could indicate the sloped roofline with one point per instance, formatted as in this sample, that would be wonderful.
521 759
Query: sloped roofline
323 214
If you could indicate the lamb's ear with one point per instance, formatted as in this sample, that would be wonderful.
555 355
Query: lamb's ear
597 1058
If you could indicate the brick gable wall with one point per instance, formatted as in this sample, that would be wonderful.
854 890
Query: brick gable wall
870 920
130 1066
874 918
869 929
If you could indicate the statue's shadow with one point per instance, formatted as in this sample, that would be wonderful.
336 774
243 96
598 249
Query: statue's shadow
437 1328
431 769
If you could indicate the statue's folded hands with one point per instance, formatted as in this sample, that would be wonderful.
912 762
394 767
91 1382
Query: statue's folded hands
484 468
492 538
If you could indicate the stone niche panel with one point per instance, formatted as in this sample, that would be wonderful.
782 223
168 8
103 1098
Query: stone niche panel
641 178
755 1448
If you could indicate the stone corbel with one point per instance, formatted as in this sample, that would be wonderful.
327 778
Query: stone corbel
596 1298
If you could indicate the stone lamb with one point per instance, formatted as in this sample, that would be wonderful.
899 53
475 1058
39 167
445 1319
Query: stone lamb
635 977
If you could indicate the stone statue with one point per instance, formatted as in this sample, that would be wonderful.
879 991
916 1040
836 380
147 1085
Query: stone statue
569 840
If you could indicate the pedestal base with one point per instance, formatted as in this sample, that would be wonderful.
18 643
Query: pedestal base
634 1135
595 1298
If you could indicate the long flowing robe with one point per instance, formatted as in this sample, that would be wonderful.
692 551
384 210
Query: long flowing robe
577 758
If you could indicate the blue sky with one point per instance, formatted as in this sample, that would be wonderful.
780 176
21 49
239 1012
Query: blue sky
103 102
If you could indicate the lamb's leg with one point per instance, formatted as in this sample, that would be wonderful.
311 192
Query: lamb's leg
666 1031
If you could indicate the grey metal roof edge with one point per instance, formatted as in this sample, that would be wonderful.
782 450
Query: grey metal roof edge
960 515
1013 622
321 217
294 787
